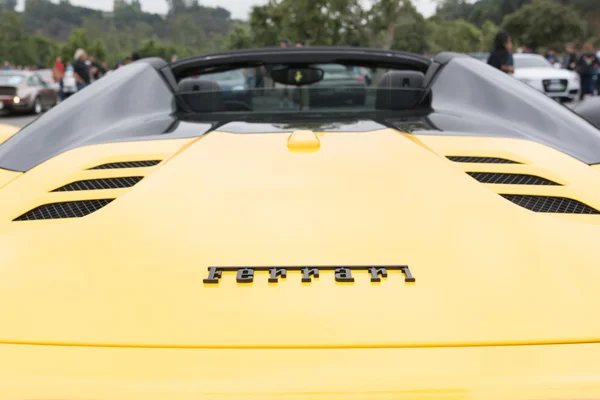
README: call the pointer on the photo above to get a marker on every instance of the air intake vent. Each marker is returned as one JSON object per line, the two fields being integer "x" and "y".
{"x": 546, "y": 204}
{"x": 68, "y": 209}
{"x": 99, "y": 184}
{"x": 128, "y": 164}
{"x": 481, "y": 160}
{"x": 511, "y": 179}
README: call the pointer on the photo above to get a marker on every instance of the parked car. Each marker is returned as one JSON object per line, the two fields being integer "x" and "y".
{"x": 340, "y": 85}
{"x": 48, "y": 77}
{"x": 25, "y": 91}
{"x": 480, "y": 56}
{"x": 539, "y": 73}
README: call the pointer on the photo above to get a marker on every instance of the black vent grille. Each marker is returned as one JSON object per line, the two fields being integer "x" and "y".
{"x": 548, "y": 204}
{"x": 481, "y": 160}
{"x": 511, "y": 179}
{"x": 128, "y": 164}
{"x": 68, "y": 209}
{"x": 100, "y": 184}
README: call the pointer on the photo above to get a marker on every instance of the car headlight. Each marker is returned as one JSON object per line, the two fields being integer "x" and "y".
{"x": 237, "y": 88}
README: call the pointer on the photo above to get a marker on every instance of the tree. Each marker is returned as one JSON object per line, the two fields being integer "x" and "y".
{"x": 316, "y": 22}
{"x": 544, "y": 23}
{"x": 384, "y": 18}
{"x": 77, "y": 40}
{"x": 238, "y": 38}
{"x": 98, "y": 50}
{"x": 488, "y": 33}
{"x": 411, "y": 32}
{"x": 458, "y": 35}
{"x": 11, "y": 37}
{"x": 8, "y": 5}
{"x": 454, "y": 9}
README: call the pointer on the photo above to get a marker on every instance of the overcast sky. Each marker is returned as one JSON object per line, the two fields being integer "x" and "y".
{"x": 238, "y": 8}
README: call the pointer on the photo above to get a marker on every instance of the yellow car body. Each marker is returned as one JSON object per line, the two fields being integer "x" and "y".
{"x": 114, "y": 305}
{"x": 7, "y": 131}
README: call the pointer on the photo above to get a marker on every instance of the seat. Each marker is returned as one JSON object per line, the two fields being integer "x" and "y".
{"x": 390, "y": 93}
{"x": 209, "y": 97}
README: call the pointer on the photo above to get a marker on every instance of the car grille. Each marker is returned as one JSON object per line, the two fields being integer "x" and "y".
{"x": 555, "y": 85}
{"x": 511, "y": 179}
{"x": 550, "y": 204}
{"x": 100, "y": 184}
{"x": 128, "y": 164}
{"x": 68, "y": 209}
{"x": 481, "y": 160}
{"x": 7, "y": 91}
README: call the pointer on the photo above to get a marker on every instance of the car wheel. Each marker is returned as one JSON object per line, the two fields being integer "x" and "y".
{"x": 37, "y": 106}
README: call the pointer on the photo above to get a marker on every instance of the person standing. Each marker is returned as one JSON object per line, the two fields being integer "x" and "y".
{"x": 94, "y": 68}
{"x": 586, "y": 68}
{"x": 81, "y": 69}
{"x": 570, "y": 58}
{"x": 501, "y": 56}
{"x": 68, "y": 83}
{"x": 58, "y": 70}
{"x": 284, "y": 43}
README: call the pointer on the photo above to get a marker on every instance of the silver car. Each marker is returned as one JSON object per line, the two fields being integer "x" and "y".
{"x": 25, "y": 91}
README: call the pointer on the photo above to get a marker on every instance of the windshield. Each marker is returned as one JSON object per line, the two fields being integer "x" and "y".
{"x": 11, "y": 79}
{"x": 285, "y": 88}
{"x": 45, "y": 73}
{"x": 225, "y": 76}
{"x": 531, "y": 62}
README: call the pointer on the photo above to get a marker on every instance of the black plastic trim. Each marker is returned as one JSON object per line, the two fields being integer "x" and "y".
{"x": 302, "y": 55}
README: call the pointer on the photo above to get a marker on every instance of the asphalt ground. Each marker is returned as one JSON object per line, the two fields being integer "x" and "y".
{"x": 19, "y": 120}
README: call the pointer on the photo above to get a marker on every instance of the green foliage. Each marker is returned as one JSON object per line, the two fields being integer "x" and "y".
{"x": 238, "y": 38}
{"x": 488, "y": 32}
{"x": 455, "y": 35}
{"x": 316, "y": 22}
{"x": 77, "y": 40}
{"x": 98, "y": 50}
{"x": 8, "y": 5}
{"x": 411, "y": 32}
{"x": 544, "y": 23}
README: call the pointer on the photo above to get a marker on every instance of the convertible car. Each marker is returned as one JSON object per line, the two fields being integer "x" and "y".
{"x": 438, "y": 241}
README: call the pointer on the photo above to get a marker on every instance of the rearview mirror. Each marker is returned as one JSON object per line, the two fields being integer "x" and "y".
{"x": 297, "y": 76}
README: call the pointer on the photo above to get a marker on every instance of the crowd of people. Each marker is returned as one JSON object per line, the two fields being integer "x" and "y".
{"x": 585, "y": 62}
{"x": 77, "y": 74}
{"x": 82, "y": 71}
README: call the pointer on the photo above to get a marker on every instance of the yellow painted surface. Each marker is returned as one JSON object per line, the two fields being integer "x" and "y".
{"x": 488, "y": 274}
{"x": 554, "y": 372}
{"x": 6, "y": 131}
{"x": 7, "y": 176}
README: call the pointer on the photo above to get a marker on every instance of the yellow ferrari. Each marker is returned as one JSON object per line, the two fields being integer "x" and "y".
{"x": 340, "y": 224}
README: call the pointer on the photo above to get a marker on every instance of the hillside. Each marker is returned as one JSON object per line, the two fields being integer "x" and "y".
{"x": 126, "y": 27}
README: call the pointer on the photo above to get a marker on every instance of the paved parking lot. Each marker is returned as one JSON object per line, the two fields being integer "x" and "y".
{"x": 19, "y": 120}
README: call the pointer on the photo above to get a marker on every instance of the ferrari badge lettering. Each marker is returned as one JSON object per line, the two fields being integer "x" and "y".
{"x": 245, "y": 274}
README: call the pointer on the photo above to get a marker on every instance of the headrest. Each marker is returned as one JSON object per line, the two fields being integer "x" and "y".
{"x": 208, "y": 99}
{"x": 390, "y": 95}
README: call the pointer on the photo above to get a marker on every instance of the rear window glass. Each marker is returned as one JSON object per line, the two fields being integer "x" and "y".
{"x": 323, "y": 87}
{"x": 11, "y": 79}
